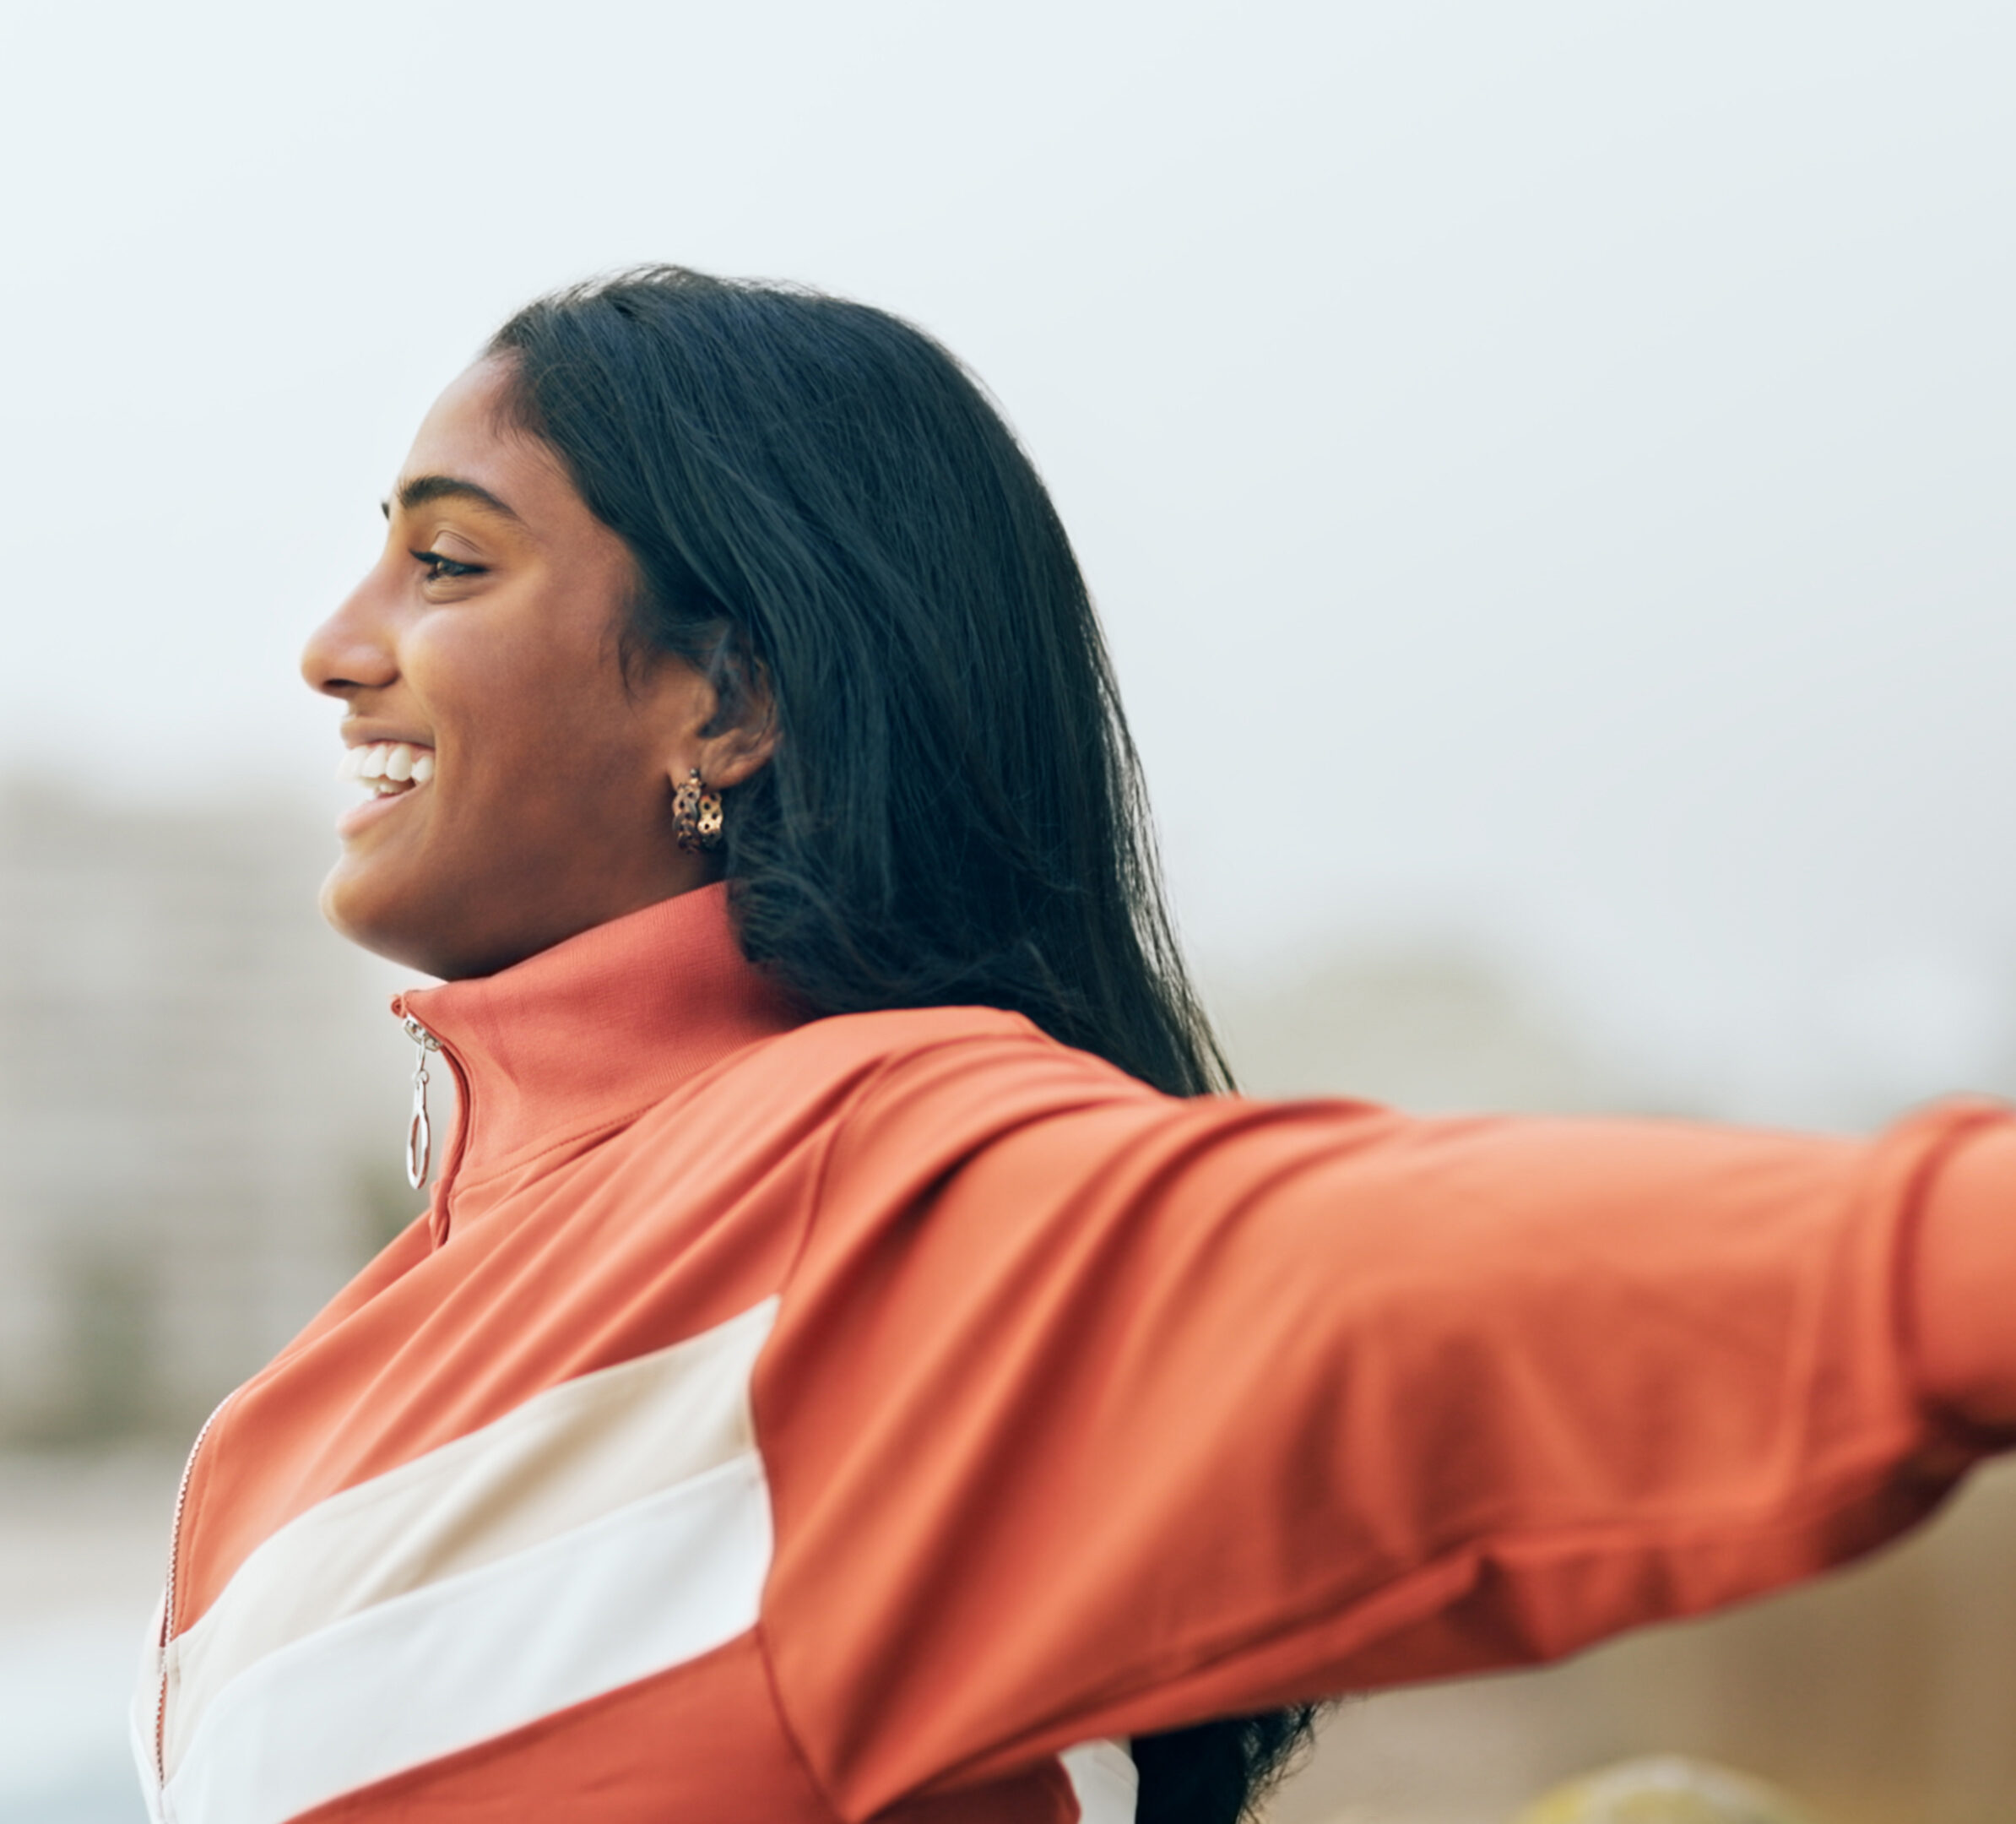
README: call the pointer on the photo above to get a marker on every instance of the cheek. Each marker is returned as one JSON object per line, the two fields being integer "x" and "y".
{"x": 486, "y": 696}
{"x": 545, "y": 720}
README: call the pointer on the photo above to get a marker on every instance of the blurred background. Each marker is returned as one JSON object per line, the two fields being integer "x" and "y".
{"x": 1545, "y": 473}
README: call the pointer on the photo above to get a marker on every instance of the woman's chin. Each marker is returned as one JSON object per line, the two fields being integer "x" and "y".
{"x": 361, "y": 903}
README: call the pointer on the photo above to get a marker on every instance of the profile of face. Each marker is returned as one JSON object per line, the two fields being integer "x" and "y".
{"x": 523, "y": 773}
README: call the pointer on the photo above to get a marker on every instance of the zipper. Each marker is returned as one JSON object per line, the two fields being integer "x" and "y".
{"x": 420, "y": 1148}
{"x": 174, "y": 1554}
{"x": 419, "y": 1133}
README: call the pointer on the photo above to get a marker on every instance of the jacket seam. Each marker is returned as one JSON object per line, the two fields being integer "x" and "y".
{"x": 578, "y": 1139}
{"x": 813, "y": 1198}
{"x": 850, "y": 1108}
{"x": 789, "y": 1729}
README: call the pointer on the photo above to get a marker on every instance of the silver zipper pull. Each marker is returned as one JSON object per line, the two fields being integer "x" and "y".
{"x": 419, "y": 1136}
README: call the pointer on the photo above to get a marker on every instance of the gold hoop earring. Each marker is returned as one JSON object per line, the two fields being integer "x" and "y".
{"x": 696, "y": 815}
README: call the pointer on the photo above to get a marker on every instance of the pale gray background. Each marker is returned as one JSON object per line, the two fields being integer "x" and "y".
{"x": 1544, "y": 468}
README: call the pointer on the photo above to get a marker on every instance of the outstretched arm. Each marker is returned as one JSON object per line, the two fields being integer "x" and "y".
{"x": 1106, "y": 1413}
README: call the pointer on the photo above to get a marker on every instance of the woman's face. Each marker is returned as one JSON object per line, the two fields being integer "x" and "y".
{"x": 480, "y": 658}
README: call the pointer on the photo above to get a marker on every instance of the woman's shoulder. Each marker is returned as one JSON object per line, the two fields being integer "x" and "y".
{"x": 949, "y": 1057}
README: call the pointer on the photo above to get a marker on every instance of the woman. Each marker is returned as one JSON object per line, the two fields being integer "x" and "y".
{"x": 848, "y": 1366}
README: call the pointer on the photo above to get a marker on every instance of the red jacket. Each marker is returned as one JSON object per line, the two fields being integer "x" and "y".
{"x": 794, "y": 1422}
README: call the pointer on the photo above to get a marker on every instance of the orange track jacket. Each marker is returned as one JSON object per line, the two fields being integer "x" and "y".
{"x": 886, "y": 1415}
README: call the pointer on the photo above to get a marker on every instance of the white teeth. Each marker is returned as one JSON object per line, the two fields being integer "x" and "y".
{"x": 386, "y": 767}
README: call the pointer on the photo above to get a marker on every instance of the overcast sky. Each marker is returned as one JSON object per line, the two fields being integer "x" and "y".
{"x": 1546, "y": 470}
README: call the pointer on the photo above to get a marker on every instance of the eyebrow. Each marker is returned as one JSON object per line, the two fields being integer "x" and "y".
{"x": 419, "y": 490}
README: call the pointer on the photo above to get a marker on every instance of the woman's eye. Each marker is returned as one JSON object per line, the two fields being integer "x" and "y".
{"x": 438, "y": 567}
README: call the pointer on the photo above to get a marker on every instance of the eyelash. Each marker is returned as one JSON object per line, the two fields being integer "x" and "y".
{"x": 440, "y": 569}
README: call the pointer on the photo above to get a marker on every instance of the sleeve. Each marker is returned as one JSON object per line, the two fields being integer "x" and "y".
{"x": 1092, "y": 1413}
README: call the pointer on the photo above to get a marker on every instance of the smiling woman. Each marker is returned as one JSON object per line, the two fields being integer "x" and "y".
{"x": 856, "y": 1362}
{"x": 484, "y": 650}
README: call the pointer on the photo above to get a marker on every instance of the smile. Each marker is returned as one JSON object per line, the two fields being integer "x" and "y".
{"x": 387, "y": 769}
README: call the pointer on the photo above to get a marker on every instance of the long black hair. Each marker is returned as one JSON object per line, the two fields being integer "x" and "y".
{"x": 829, "y": 519}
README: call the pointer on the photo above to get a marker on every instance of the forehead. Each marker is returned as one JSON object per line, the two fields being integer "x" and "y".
{"x": 469, "y": 436}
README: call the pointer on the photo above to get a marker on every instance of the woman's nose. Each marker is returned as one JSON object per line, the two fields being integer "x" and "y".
{"x": 351, "y": 651}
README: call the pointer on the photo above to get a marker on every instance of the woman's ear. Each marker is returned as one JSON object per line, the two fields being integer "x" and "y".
{"x": 737, "y": 739}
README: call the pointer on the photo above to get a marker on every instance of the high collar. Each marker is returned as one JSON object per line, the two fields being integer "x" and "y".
{"x": 583, "y": 1038}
